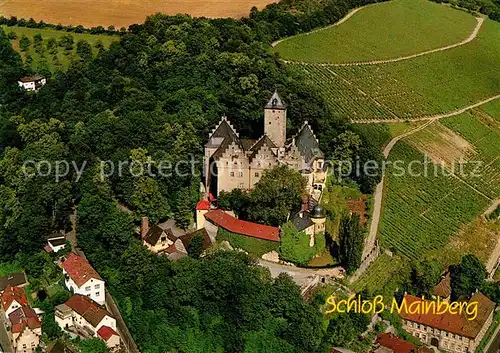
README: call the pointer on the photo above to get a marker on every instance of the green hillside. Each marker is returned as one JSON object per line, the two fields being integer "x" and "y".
{"x": 60, "y": 57}
{"x": 382, "y": 31}
{"x": 427, "y": 85}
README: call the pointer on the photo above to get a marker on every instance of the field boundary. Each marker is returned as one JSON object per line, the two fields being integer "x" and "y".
{"x": 429, "y": 117}
{"x": 472, "y": 36}
{"x": 339, "y": 22}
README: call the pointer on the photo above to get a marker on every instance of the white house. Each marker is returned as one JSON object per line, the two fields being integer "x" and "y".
{"x": 110, "y": 336}
{"x": 81, "y": 278}
{"x": 56, "y": 244}
{"x": 83, "y": 316}
{"x": 13, "y": 298}
{"x": 32, "y": 83}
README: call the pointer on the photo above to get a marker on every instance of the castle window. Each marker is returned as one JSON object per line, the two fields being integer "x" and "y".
{"x": 240, "y": 174}
{"x": 256, "y": 175}
{"x": 269, "y": 123}
{"x": 242, "y": 186}
{"x": 231, "y": 174}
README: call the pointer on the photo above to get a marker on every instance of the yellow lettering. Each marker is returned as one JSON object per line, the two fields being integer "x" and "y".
{"x": 453, "y": 308}
{"x": 370, "y": 307}
{"x": 440, "y": 306}
{"x": 378, "y": 301}
{"x": 331, "y": 301}
{"x": 342, "y": 302}
{"x": 471, "y": 310}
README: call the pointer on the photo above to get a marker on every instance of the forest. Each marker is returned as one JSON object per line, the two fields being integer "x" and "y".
{"x": 154, "y": 95}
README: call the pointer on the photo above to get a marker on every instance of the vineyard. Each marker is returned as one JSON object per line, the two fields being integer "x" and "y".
{"x": 382, "y": 276}
{"x": 409, "y": 27}
{"x": 421, "y": 213}
{"x": 427, "y": 85}
{"x": 481, "y": 167}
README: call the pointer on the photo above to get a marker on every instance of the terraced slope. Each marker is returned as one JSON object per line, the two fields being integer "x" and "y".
{"x": 427, "y": 85}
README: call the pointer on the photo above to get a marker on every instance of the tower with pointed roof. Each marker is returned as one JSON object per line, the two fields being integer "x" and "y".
{"x": 275, "y": 120}
{"x": 232, "y": 162}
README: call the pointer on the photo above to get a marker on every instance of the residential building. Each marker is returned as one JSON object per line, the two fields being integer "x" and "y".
{"x": 389, "y": 343}
{"x": 216, "y": 219}
{"x": 81, "y": 316}
{"x": 163, "y": 237}
{"x": 231, "y": 162}
{"x": 32, "y": 83}
{"x": 169, "y": 240}
{"x": 81, "y": 278}
{"x": 55, "y": 244}
{"x": 25, "y": 330}
{"x": 13, "y": 298}
{"x": 110, "y": 336}
{"x": 450, "y": 332}
{"x": 13, "y": 280}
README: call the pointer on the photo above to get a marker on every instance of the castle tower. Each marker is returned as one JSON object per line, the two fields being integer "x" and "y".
{"x": 318, "y": 217}
{"x": 275, "y": 120}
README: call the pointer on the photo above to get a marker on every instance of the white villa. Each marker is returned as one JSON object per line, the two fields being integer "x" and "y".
{"x": 81, "y": 278}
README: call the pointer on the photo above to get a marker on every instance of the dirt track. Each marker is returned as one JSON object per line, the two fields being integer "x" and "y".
{"x": 91, "y": 13}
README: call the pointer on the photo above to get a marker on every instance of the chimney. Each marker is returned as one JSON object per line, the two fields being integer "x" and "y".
{"x": 144, "y": 227}
{"x": 305, "y": 204}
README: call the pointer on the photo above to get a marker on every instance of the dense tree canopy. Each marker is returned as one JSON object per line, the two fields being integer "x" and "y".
{"x": 467, "y": 276}
{"x": 151, "y": 98}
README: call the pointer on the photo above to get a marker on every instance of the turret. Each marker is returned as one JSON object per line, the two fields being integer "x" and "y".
{"x": 275, "y": 120}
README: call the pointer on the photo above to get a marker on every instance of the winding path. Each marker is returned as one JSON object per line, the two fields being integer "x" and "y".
{"x": 379, "y": 191}
{"x": 429, "y": 117}
{"x": 342, "y": 20}
{"x": 472, "y": 36}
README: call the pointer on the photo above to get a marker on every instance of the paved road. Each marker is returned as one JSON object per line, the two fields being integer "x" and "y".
{"x": 494, "y": 346}
{"x": 5, "y": 345}
{"x": 301, "y": 276}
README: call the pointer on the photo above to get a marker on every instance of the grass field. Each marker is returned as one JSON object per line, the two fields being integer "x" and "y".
{"x": 63, "y": 57}
{"x": 7, "y": 268}
{"x": 427, "y": 85}
{"x": 92, "y": 13}
{"x": 409, "y": 27}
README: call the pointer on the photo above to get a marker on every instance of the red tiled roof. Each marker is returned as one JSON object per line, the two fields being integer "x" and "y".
{"x": 203, "y": 205}
{"x": 22, "y": 318}
{"x": 106, "y": 333}
{"x": 79, "y": 269}
{"x": 394, "y": 343}
{"x": 13, "y": 293}
{"x": 87, "y": 308}
{"x": 235, "y": 225}
{"x": 443, "y": 288}
{"x": 454, "y": 323}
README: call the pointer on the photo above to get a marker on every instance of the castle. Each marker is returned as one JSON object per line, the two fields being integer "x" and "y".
{"x": 231, "y": 162}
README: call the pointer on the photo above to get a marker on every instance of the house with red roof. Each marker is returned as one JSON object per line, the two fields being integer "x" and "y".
{"x": 216, "y": 219}
{"x": 110, "y": 336}
{"x": 81, "y": 278}
{"x": 450, "y": 332}
{"x": 387, "y": 342}
{"x": 81, "y": 316}
{"x": 12, "y": 299}
{"x": 26, "y": 330}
